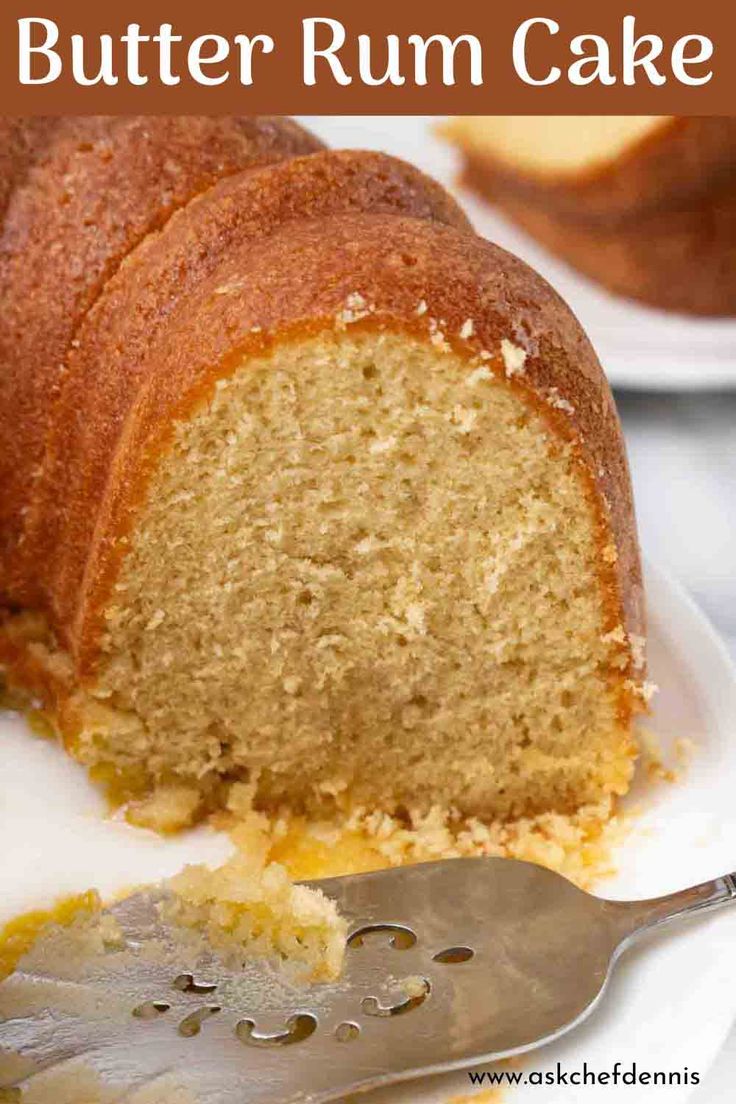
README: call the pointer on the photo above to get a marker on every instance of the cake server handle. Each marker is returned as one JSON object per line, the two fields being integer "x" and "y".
{"x": 636, "y": 917}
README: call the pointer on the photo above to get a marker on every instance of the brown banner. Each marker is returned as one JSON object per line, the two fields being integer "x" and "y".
{"x": 382, "y": 57}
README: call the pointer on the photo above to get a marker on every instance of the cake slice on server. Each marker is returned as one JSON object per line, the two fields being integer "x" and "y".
{"x": 642, "y": 204}
{"x": 333, "y": 499}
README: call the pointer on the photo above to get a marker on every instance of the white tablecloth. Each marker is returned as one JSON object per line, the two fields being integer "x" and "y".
{"x": 682, "y": 451}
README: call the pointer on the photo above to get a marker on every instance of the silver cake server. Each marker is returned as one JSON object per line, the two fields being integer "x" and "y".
{"x": 449, "y": 964}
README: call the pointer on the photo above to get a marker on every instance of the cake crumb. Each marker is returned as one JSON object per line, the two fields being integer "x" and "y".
{"x": 555, "y": 399}
{"x": 356, "y": 308}
{"x": 385, "y": 444}
{"x": 463, "y": 419}
{"x": 354, "y": 840}
{"x": 168, "y": 809}
{"x": 467, "y": 329}
{"x": 648, "y": 689}
{"x": 638, "y": 646}
{"x": 615, "y": 636}
{"x": 229, "y": 289}
{"x": 437, "y": 336}
{"x": 644, "y": 690}
{"x": 482, "y": 372}
{"x": 414, "y": 986}
{"x": 653, "y": 757}
{"x": 514, "y": 357}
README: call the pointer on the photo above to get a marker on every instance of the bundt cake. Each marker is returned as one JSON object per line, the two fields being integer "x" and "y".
{"x": 642, "y": 204}
{"x": 306, "y": 484}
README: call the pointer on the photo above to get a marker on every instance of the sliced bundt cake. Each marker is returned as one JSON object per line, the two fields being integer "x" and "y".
{"x": 643, "y": 204}
{"x": 334, "y": 499}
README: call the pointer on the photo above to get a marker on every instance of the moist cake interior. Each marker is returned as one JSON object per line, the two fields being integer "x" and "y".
{"x": 366, "y": 570}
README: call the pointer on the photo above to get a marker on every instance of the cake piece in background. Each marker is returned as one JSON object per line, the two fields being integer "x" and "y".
{"x": 645, "y": 205}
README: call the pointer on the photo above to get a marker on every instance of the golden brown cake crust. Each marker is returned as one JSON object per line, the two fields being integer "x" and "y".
{"x": 682, "y": 160}
{"x": 413, "y": 276}
{"x": 79, "y": 195}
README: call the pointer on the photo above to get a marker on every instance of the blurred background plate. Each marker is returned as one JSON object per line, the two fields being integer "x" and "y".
{"x": 640, "y": 348}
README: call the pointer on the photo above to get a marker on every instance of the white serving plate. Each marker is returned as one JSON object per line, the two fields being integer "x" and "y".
{"x": 639, "y": 348}
{"x": 670, "y": 1004}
